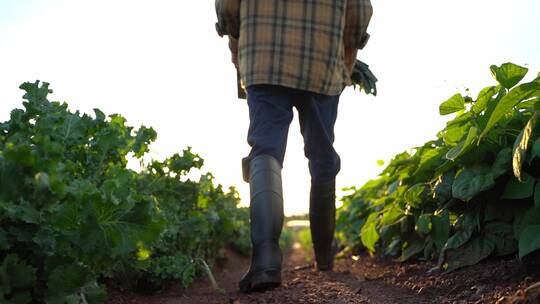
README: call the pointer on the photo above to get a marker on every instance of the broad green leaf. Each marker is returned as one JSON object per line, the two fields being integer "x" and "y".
{"x": 381, "y": 201}
{"x": 447, "y": 166}
{"x": 391, "y": 215}
{"x": 464, "y": 226}
{"x": 442, "y": 191}
{"x": 393, "y": 187}
{"x": 471, "y": 253}
{"x": 483, "y": 98}
{"x": 502, "y": 235}
{"x": 525, "y": 218}
{"x": 399, "y": 160}
{"x": 454, "y": 133}
{"x": 462, "y": 118}
{"x": 411, "y": 247}
{"x": 369, "y": 234}
{"x": 516, "y": 189}
{"x": 453, "y": 104}
{"x": 463, "y": 187}
{"x": 470, "y": 182}
{"x": 464, "y": 145}
{"x": 429, "y": 158}
{"x": 508, "y": 74}
{"x": 467, "y": 222}
{"x": 423, "y": 225}
{"x": 406, "y": 224}
{"x": 398, "y": 195}
{"x": 393, "y": 248}
{"x": 389, "y": 232}
{"x": 441, "y": 229}
{"x": 508, "y": 101}
{"x": 413, "y": 196}
{"x": 521, "y": 145}
{"x": 530, "y": 104}
{"x": 503, "y": 162}
{"x": 458, "y": 239}
{"x": 482, "y": 120}
{"x": 529, "y": 240}
{"x": 124, "y": 227}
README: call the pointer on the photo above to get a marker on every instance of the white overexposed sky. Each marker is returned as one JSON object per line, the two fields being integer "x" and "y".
{"x": 161, "y": 64}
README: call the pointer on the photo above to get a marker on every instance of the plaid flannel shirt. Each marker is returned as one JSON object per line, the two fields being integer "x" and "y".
{"x": 295, "y": 43}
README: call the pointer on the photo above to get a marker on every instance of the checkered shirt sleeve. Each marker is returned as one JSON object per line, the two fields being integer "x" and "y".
{"x": 358, "y": 15}
{"x": 228, "y": 15}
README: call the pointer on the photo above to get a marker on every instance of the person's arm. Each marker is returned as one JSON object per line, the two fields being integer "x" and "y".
{"x": 233, "y": 46}
{"x": 228, "y": 15}
{"x": 355, "y": 36}
{"x": 350, "y": 58}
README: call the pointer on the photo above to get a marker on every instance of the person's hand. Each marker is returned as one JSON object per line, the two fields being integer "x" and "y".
{"x": 233, "y": 46}
{"x": 350, "y": 58}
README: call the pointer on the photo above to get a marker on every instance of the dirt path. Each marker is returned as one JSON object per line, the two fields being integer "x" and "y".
{"x": 359, "y": 280}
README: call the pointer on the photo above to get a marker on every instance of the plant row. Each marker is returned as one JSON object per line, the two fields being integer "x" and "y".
{"x": 471, "y": 193}
{"x": 72, "y": 215}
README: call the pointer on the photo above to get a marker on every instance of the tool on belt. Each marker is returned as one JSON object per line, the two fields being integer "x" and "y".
{"x": 241, "y": 90}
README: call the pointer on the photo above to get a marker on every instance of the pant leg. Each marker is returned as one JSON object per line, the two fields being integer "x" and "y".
{"x": 270, "y": 115}
{"x": 317, "y": 115}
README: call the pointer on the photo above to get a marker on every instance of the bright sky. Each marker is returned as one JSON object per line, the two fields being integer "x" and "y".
{"x": 160, "y": 63}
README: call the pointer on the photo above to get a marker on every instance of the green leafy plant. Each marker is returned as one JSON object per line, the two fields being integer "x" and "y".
{"x": 72, "y": 213}
{"x": 363, "y": 78}
{"x": 471, "y": 193}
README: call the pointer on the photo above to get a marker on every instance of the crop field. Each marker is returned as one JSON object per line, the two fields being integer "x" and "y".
{"x": 456, "y": 220}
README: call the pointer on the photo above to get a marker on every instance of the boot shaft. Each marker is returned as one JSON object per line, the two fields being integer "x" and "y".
{"x": 322, "y": 204}
{"x": 322, "y": 218}
{"x": 266, "y": 199}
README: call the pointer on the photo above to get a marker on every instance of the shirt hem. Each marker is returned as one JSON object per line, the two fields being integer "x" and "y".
{"x": 330, "y": 92}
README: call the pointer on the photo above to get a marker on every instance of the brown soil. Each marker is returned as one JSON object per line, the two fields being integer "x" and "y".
{"x": 360, "y": 280}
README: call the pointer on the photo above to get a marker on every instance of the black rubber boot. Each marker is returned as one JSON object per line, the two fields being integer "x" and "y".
{"x": 266, "y": 213}
{"x": 322, "y": 219}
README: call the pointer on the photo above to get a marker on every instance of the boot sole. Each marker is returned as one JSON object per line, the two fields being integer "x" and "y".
{"x": 263, "y": 280}
{"x": 325, "y": 268}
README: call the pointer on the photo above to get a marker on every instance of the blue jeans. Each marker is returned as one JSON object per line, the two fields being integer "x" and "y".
{"x": 270, "y": 114}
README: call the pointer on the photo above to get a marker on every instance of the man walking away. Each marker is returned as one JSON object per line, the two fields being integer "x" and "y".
{"x": 291, "y": 53}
